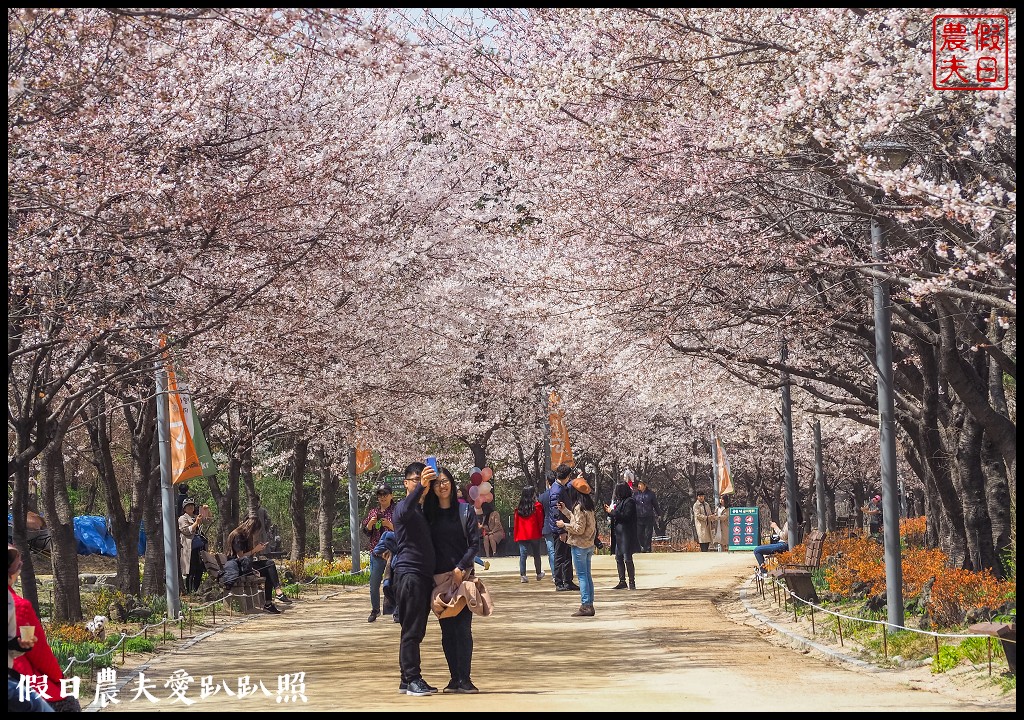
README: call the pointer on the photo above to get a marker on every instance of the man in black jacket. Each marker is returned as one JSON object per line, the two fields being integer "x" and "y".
{"x": 563, "y": 551}
{"x": 412, "y": 572}
{"x": 646, "y": 511}
{"x": 548, "y": 529}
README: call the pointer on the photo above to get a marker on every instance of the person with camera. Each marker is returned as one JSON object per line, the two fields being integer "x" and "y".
{"x": 193, "y": 542}
{"x": 580, "y": 525}
{"x": 375, "y": 524}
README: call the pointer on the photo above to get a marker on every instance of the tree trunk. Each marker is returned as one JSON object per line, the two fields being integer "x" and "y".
{"x": 67, "y": 599}
{"x": 971, "y": 485}
{"x": 297, "y": 503}
{"x": 248, "y": 480}
{"x": 328, "y": 506}
{"x": 154, "y": 581}
{"x": 19, "y": 508}
{"x": 479, "y": 451}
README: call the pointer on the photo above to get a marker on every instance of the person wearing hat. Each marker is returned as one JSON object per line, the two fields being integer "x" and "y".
{"x": 576, "y": 504}
{"x": 377, "y": 522}
{"x": 193, "y": 542}
{"x": 704, "y": 521}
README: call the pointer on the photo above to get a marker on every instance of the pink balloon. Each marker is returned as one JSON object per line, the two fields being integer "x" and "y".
{"x": 479, "y": 502}
{"x": 476, "y": 478}
{"x": 485, "y": 487}
{"x": 474, "y": 492}
{"x": 487, "y": 473}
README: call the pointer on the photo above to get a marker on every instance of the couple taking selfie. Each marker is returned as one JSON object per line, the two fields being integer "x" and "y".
{"x": 437, "y": 540}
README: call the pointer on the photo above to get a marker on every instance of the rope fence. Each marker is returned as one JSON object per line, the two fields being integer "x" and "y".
{"x": 188, "y": 615}
{"x": 784, "y": 596}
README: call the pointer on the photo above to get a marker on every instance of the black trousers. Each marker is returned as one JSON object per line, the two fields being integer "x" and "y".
{"x": 563, "y": 563}
{"x": 645, "y": 532}
{"x": 457, "y": 643}
{"x": 268, "y": 570}
{"x": 195, "y": 572}
{"x": 624, "y": 563}
{"x": 412, "y": 592}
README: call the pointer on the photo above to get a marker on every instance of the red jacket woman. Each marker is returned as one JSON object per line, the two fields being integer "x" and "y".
{"x": 527, "y": 523}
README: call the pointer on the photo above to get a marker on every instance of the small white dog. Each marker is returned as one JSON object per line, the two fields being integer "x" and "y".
{"x": 98, "y": 627}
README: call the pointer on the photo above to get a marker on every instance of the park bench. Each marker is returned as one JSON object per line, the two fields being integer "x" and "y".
{"x": 798, "y": 577}
{"x": 1006, "y": 633}
{"x": 661, "y": 543}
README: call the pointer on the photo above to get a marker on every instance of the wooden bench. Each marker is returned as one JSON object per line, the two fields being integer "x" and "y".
{"x": 798, "y": 577}
{"x": 1006, "y": 633}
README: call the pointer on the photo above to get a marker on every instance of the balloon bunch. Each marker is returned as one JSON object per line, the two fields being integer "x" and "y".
{"x": 480, "y": 488}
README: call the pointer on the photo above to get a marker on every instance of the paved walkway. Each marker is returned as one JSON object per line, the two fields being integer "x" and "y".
{"x": 683, "y": 641}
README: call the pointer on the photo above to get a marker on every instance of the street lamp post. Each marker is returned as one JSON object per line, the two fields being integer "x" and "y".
{"x": 892, "y": 155}
{"x": 792, "y": 486}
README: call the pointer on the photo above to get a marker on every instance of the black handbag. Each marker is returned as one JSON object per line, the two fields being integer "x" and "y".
{"x": 199, "y": 541}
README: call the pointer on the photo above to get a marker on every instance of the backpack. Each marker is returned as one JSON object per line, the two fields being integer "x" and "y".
{"x": 234, "y": 569}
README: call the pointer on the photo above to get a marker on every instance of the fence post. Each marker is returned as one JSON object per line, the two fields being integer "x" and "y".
{"x": 989, "y": 638}
{"x": 812, "y": 621}
{"x": 839, "y": 626}
{"x": 163, "y": 632}
{"x": 214, "y": 608}
{"x": 885, "y": 640}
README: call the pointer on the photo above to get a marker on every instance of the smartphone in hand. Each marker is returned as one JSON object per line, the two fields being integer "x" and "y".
{"x": 432, "y": 462}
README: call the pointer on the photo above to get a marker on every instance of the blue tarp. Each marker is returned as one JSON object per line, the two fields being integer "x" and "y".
{"x": 94, "y": 537}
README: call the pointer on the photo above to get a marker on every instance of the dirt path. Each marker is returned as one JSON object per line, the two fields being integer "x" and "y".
{"x": 682, "y": 642}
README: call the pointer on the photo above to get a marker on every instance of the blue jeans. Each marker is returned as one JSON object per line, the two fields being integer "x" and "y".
{"x": 526, "y": 548}
{"x": 376, "y": 577}
{"x": 549, "y": 540}
{"x": 32, "y": 702}
{"x": 581, "y": 558}
{"x": 761, "y": 550}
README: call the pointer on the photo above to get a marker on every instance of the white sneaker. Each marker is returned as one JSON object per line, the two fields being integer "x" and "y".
{"x": 522, "y": 579}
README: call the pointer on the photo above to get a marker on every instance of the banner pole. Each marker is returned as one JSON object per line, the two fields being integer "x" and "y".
{"x": 170, "y": 526}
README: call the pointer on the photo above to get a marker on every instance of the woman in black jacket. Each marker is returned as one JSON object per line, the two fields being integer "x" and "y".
{"x": 456, "y": 538}
{"x": 622, "y": 512}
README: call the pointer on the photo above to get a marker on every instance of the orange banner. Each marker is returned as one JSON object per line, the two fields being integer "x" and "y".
{"x": 364, "y": 458}
{"x": 561, "y": 450}
{"x": 184, "y": 461}
{"x": 724, "y": 473}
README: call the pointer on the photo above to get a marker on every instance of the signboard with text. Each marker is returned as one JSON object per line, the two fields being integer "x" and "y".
{"x": 743, "y": 528}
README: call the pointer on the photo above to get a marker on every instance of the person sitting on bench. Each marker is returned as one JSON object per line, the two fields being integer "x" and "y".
{"x": 242, "y": 544}
{"x": 779, "y": 544}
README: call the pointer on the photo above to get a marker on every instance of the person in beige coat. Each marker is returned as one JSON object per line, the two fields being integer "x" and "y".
{"x": 580, "y": 527}
{"x": 192, "y": 542}
{"x": 704, "y": 519}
